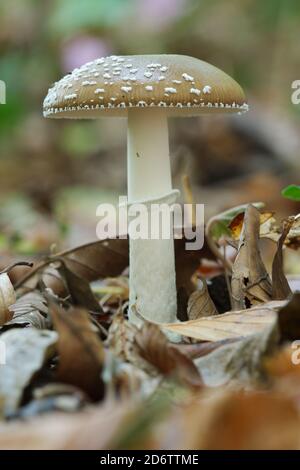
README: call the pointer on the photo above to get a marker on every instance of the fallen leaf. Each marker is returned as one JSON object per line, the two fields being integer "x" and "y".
{"x": 79, "y": 289}
{"x": 196, "y": 350}
{"x": 97, "y": 260}
{"x": 232, "y": 324}
{"x": 219, "y": 224}
{"x": 26, "y": 351}
{"x": 280, "y": 286}
{"x": 200, "y": 303}
{"x": 7, "y": 298}
{"x": 29, "y": 310}
{"x": 250, "y": 282}
{"x": 81, "y": 354}
{"x": 293, "y": 237}
{"x": 266, "y": 220}
{"x": 241, "y": 361}
{"x": 155, "y": 348}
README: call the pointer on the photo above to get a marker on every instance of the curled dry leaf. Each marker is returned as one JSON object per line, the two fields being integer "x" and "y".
{"x": 81, "y": 354}
{"x": 267, "y": 223}
{"x": 29, "y": 310}
{"x": 293, "y": 237}
{"x": 7, "y": 298}
{"x": 273, "y": 232}
{"x": 280, "y": 286}
{"x": 217, "y": 228}
{"x": 26, "y": 351}
{"x": 155, "y": 348}
{"x": 79, "y": 289}
{"x": 219, "y": 225}
{"x": 200, "y": 303}
{"x": 250, "y": 282}
{"x": 233, "y": 324}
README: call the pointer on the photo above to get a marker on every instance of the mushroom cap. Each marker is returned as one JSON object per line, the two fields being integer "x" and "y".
{"x": 109, "y": 86}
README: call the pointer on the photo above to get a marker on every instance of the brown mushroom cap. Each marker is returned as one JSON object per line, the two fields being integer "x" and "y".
{"x": 110, "y": 85}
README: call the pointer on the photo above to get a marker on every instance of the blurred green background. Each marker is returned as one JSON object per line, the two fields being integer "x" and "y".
{"x": 55, "y": 173}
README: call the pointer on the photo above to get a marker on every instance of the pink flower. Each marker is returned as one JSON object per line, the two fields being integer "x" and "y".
{"x": 82, "y": 49}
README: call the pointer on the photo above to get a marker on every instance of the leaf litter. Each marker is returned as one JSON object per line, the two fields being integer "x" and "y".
{"x": 74, "y": 362}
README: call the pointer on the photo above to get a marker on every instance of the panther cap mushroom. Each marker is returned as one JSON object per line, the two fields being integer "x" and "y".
{"x": 147, "y": 89}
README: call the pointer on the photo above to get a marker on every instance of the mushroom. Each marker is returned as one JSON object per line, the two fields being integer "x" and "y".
{"x": 147, "y": 89}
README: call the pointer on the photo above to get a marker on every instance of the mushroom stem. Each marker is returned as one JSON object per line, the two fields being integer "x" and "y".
{"x": 152, "y": 261}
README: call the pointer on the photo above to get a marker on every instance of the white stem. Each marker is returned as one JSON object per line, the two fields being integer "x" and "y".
{"x": 152, "y": 262}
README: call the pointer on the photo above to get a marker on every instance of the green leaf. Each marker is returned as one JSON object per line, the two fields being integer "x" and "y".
{"x": 291, "y": 192}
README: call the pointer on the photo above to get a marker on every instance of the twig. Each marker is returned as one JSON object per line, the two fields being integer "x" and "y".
{"x": 189, "y": 197}
{"x": 227, "y": 279}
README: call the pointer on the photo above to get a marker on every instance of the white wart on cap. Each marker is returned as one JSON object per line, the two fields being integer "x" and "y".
{"x": 109, "y": 86}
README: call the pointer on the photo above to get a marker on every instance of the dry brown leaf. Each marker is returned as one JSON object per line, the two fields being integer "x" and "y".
{"x": 7, "y": 298}
{"x": 29, "y": 310}
{"x": 155, "y": 348}
{"x": 234, "y": 324}
{"x": 197, "y": 350}
{"x": 266, "y": 220}
{"x": 97, "y": 260}
{"x": 293, "y": 238}
{"x": 79, "y": 289}
{"x": 280, "y": 286}
{"x": 250, "y": 281}
{"x": 273, "y": 232}
{"x": 200, "y": 304}
{"x": 81, "y": 354}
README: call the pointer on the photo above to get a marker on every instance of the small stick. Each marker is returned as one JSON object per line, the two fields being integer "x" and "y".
{"x": 189, "y": 197}
{"x": 227, "y": 279}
